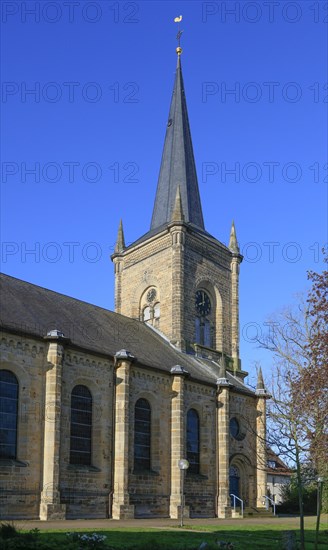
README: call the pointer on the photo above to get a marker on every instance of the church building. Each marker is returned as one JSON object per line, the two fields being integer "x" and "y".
{"x": 98, "y": 407}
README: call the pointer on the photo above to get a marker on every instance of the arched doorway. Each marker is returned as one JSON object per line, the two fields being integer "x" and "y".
{"x": 234, "y": 482}
{"x": 241, "y": 477}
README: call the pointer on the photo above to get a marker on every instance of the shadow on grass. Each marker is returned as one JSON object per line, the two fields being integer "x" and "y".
{"x": 156, "y": 539}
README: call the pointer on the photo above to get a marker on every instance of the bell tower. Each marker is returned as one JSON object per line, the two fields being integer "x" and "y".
{"x": 177, "y": 277}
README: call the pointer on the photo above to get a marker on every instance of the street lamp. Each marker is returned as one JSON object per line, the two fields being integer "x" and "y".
{"x": 183, "y": 465}
{"x": 320, "y": 481}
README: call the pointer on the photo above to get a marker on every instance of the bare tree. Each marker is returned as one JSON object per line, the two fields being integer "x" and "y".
{"x": 288, "y": 421}
{"x": 298, "y": 412}
{"x": 313, "y": 385}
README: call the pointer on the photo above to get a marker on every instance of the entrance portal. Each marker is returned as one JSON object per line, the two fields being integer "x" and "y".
{"x": 234, "y": 483}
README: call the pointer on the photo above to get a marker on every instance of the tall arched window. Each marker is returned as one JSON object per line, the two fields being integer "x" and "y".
{"x": 193, "y": 441}
{"x": 81, "y": 425}
{"x": 142, "y": 429}
{"x": 157, "y": 314}
{"x": 204, "y": 313}
{"x": 147, "y": 314}
{"x": 8, "y": 414}
{"x": 150, "y": 306}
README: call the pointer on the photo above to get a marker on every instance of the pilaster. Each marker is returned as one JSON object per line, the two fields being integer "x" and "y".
{"x": 261, "y": 451}
{"x": 118, "y": 268}
{"x": 223, "y": 398}
{"x": 178, "y": 450}
{"x": 178, "y": 240}
{"x": 235, "y": 310}
{"x": 122, "y": 509}
{"x": 50, "y": 505}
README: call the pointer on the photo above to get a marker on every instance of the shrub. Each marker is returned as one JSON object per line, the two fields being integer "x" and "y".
{"x": 290, "y": 503}
{"x": 8, "y": 531}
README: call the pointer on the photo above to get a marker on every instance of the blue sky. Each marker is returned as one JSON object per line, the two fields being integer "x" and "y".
{"x": 93, "y": 129}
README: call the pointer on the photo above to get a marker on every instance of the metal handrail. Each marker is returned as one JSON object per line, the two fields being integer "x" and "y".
{"x": 234, "y": 503}
{"x": 267, "y": 500}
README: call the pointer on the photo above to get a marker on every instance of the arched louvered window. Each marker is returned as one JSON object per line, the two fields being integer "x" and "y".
{"x": 8, "y": 414}
{"x": 81, "y": 425}
{"x": 203, "y": 332}
{"x": 142, "y": 429}
{"x": 146, "y": 314}
{"x": 193, "y": 441}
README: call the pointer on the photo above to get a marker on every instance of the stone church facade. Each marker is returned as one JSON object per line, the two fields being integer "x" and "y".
{"x": 98, "y": 407}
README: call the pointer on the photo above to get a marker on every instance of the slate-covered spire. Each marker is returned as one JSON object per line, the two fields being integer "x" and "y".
{"x": 120, "y": 242}
{"x": 178, "y": 164}
{"x": 233, "y": 243}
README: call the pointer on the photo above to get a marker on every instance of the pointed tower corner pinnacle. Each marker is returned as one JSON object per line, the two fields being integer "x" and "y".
{"x": 233, "y": 243}
{"x": 177, "y": 214}
{"x": 260, "y": 387}
{"x": 120, "y": 242}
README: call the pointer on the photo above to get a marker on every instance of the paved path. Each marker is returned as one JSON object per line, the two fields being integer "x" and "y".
{"x": 70, "y": 525}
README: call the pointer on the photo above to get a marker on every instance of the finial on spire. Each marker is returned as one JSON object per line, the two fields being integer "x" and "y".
{"x": 178, "y": 20}
{"x": 120, "y": 242}
{"x": 177, "y": 214}
{"x": 233, "y": 243}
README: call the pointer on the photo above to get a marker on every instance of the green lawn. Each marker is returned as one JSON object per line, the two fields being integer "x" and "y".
{"x": 243, "y": 537}
{"x": 249, "y": 538}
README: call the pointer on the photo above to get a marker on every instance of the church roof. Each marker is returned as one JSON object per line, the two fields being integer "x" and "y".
{"x": 27, "y": 309}
{"x": 178, "y": 164}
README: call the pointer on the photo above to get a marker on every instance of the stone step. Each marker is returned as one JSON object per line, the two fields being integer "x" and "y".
{"x": 258, "y": 512}
{"x": 252, "y": 512}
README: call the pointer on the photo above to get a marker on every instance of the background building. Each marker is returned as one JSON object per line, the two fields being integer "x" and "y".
{"x": 278, "y": 475}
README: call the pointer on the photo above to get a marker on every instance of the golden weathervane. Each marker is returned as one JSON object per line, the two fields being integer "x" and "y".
{"x": 178, "y": 20}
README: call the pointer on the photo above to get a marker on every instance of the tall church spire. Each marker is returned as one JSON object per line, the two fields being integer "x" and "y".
{"x": 178, "y": 164}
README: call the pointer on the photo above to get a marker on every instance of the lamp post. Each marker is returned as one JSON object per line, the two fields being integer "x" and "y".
{"x": 320, "y": 481}
{"x": 183, "y": 465}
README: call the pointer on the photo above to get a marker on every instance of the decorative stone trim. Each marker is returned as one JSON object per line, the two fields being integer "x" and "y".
{"x": 83, "y": 468}
{"x": 203, "y": 390}
{"x": 177, "y": 370}
{"x": 143, "y": 473}
{"x": 12, "y": 462}
{"x": 124, "y": 355}
{"x": 147, "y": 377}
{"x": 75, "y": 359}
{"x": 23, "y": 346}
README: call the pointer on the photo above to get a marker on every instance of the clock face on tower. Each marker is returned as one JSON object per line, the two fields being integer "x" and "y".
{"x": 202, "y": 303}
